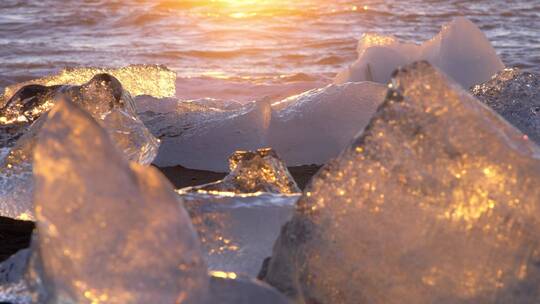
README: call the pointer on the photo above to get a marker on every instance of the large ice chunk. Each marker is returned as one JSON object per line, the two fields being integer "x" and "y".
{"x": 108, "y": 230}
{"x": 305, "y": 129}
{"x": 103, "y": 96}
{"x": 254, "y": 171}
{"x": 515, "y": 95}
{"x": 152, "y": 80}
{"x": 460, "y": 50}
{"x": 435, "y": 202}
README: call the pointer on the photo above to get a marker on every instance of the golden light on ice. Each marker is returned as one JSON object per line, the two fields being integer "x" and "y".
{"x": 223, "y": 274}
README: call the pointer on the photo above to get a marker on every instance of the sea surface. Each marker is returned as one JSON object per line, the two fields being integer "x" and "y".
{"x": 240, "y": 49}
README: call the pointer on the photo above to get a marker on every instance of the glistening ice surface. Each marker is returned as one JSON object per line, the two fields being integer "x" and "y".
{"x": 103, "y": 96}
{"x": 108, "y": 230}
{"x": 435, "y": 202}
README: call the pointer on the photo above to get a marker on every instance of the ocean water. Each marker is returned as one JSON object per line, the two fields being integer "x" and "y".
{"x": 240, "y": 49}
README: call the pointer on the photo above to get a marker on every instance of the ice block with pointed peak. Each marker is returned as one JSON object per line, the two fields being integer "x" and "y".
{"x": 435, "y": 202}
{"x": 108, "y": 230}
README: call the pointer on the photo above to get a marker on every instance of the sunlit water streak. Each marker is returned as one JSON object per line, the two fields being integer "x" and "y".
{"x": 218, "y": 47}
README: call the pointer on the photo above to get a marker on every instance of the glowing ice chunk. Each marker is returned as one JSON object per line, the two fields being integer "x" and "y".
{"x": 108, "y": 230}
{"x": 258, "y": 171}
{"x": 436, "y": 201}
{"x": 460, "y": 50}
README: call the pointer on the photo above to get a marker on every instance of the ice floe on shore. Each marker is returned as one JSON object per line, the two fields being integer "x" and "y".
{"x": 460, "y": 50}
{"x": 436, "y": 201}
{"x": 309, "y": 128}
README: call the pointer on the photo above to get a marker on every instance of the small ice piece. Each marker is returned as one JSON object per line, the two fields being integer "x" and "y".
{"x": 435, "y": 202}
{"x": 460, "y": 50}
{"x": 515, "y": 95}
{"x": 309, "y": 128}
{"x": 237, "y": 231}
{"x": 317, "y": 125}
{"x": 209, "y": 141}
{"x": 108, "y": 230}
{"x": 254, "y": 171}
{"x": 154, "y": 80}
{"x": 104, "y": 97}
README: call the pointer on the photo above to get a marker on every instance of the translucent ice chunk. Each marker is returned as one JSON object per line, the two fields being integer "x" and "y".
{"x": 515, "y": 95}
{"x": 108, "y": 230}
{"x": 254, "y": 171}
{"x": 152, "y": 80}
{"x": 460, "y": 50}
{"x": 305, "y": 129}
{"x": 105, "y": 99}
{"x": 237, "y": 231}
{"x": 435, "y": 202}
